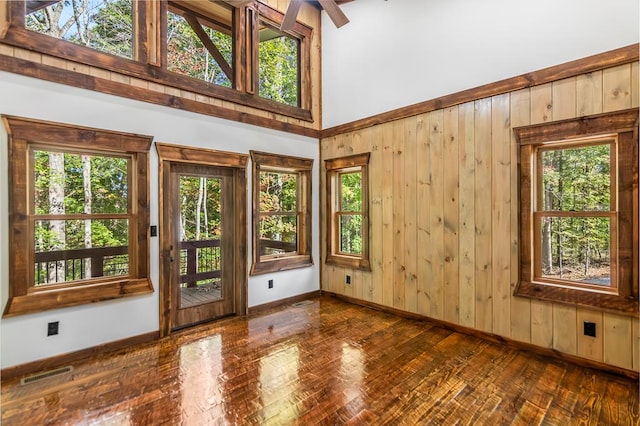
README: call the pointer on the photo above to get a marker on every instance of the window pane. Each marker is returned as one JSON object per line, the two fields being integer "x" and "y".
{"x": 351, "y": 192}
{"x": 188, "y": 55}
{"x": 68, "y": 250}
{"x": 278, "y": 58}
{"x": 278, "y": 234}
{"x": 351, "y": 234}
{"x": 104, "y": 25}
{"x": 577, "y": 179}
{"x": 278, "y": 192}
{"x": 200, "y": 208}
{"x": 576, "y": 249}
{"x": 67, "y": 183}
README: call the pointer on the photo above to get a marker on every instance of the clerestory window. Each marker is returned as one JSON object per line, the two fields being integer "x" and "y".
{"x": 278, "y": 65}
{"x": 200, "y": 41}
{"x": 578, "y": 218}
{"x": 212, "y": 48}
{"x": 78, "y": 203}
{"x": 104, "y": 25}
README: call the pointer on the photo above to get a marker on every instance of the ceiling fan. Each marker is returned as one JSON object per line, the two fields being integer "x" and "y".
{"x": 330, "y": 6}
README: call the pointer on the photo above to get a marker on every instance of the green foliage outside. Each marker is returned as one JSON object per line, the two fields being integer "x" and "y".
{"x": 60, "y": 188}
{"x": 278, "y": 196}
{"x": 187, "y": 55}
{"x": 577, "y": 180}
{"x": 351, "y": 202}
{"x": 278, "y": 69}
{"x": 200, "y": 208}
{"x": 201, "y": 220}
{"x": 104, "y": 25}
{"x": 107, "y": 26}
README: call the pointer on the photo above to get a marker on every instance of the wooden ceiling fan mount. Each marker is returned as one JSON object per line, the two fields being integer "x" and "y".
{"x": 330, "y": 6}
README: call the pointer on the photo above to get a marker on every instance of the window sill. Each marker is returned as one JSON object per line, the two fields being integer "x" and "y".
{"x": 73, "y": 296}
{"x": 349, "y": 262}
{"x": 281, "y": 264}
{"x": 588, "y": 299}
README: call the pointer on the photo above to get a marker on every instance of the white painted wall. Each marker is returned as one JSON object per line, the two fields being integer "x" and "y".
{"x": 23, "y": 338}
{"x": 396, "y": 53}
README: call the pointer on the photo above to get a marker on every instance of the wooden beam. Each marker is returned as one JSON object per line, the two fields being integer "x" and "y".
{"x": 335, "y": 13}
{"x": 33, "y": 5}
{"x": 70, "y": 78}
{"x": 204, "y": 38}
{"x": 290, "y": 17}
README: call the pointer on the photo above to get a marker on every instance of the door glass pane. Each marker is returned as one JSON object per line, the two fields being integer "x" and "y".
{"x": 577, "y": 179}
{"x": 576, "y": 249}
{"x": 200, "y": 240}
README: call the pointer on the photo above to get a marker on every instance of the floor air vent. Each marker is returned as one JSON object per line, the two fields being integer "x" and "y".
{"x": 303, "y": 303}
{"x": 45, "y": 375}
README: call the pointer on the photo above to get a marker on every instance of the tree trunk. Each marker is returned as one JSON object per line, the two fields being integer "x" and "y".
{"x": 547, "y": 258}
{"x": 559, "y": 242}
{"x": 56, "y": 206}
{"x": 199, "y": 207}
{"x": 206, "y": 215}
{"x": 86, "y": 183}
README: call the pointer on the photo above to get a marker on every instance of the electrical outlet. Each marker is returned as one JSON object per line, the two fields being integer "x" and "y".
{"x": 348, "y": 279}
{"x": 52, "y": 328}
{"x": 590, "y": 329}
{"x": 270, "y": 283}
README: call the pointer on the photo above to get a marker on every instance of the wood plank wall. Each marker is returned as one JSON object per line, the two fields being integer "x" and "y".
{"x": 444, "y": 216}
{"x": 308, "y": 15}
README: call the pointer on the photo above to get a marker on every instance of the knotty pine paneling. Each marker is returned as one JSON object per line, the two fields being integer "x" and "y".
{"x": 444, "y": 216}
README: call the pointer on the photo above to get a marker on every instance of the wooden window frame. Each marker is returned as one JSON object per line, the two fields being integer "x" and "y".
{"x": 23, "y": 296}
{"x": 618, "y": 128}
{"x": 149, "y": 58}
{"x": 334, "y": 168}
{"x": 262, "y": 161}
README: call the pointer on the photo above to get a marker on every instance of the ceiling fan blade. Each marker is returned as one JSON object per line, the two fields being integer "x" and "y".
{"x": 239, "y": 3}
{"x": 334, "y": 12}
{"x": 290, "y": 16}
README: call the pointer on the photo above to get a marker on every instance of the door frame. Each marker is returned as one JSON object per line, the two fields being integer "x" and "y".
{"x": 173, "y": 154}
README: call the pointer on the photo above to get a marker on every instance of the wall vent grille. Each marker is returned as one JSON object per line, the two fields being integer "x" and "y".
{"x": 45, "y": 375}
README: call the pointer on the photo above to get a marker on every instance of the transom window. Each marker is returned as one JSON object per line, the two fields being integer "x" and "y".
{"x": 282, "y": 212}
{"x": 78, "y": 203}
{"x": 578, "y": 218}
{"x": 347, "y": 207}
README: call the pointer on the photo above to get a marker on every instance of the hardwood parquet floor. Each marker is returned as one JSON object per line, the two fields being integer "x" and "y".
{"x": 326, "y": 362}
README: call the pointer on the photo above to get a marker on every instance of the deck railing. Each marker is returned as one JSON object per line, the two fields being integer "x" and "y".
{"x": 60, "y": 266}
{"x": 199, "y": 260}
